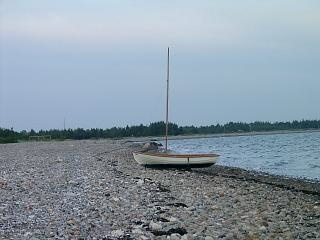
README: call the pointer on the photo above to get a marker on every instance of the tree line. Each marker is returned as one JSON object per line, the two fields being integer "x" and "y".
{"x": 155, "y": 129}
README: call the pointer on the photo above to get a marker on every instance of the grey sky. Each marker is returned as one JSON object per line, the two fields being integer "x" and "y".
{"x": 103, "y": 63}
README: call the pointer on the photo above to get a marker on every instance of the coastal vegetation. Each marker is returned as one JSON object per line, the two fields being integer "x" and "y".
{"x": 156, "y": 129}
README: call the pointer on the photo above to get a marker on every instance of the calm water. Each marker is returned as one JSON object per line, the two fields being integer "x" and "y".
{"x": 295, "y": 154}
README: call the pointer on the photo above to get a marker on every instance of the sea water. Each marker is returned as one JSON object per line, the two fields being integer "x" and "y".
{"x": 292, "y": 154}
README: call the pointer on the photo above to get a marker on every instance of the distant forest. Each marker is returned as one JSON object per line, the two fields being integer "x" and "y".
{"x": 155, "y": 129}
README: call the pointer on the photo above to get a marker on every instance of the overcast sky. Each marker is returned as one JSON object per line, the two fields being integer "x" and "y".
{"x": 103, "y": 63}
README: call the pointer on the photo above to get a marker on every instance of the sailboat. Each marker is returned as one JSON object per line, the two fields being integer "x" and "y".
{"x": 172, "y": 160}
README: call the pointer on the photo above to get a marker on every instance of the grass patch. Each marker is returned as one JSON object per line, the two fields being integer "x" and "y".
{"x": 8, "y": 140}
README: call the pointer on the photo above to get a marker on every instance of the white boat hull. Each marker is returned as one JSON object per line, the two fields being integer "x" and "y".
{"x": 175, "y": 160}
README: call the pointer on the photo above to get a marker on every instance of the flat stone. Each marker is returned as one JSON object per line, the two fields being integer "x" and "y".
{"x": 155, "y": 226}
{"x": 117, "y": 233}
{"x": 137, "y": 231}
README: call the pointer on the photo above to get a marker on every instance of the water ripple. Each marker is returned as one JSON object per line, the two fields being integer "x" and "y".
{"x": 294, "y": 154}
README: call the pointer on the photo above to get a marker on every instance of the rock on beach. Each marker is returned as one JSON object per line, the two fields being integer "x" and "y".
{"x": 94, "y": 189}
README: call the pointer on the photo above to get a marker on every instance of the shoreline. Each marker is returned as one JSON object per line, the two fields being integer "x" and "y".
{"x": 93, "y": 189}
{"x": 305, "y": 185}
{"x": 238, "y": 169}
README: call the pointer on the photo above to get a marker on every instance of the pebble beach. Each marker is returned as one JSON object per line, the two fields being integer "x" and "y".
{"x": 94, "y": 189}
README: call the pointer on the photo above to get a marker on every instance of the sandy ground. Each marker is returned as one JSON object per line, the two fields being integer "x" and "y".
{"x": 95, "y": 190}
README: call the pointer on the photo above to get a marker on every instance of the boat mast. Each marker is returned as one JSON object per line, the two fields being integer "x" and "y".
{"x": 167, "y": 107}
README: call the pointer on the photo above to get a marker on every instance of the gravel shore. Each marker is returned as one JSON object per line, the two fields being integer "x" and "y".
{"x": 95, "y": 190}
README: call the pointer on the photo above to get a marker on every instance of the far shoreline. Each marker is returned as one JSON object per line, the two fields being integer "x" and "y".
{"x": 216, "y": 135}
